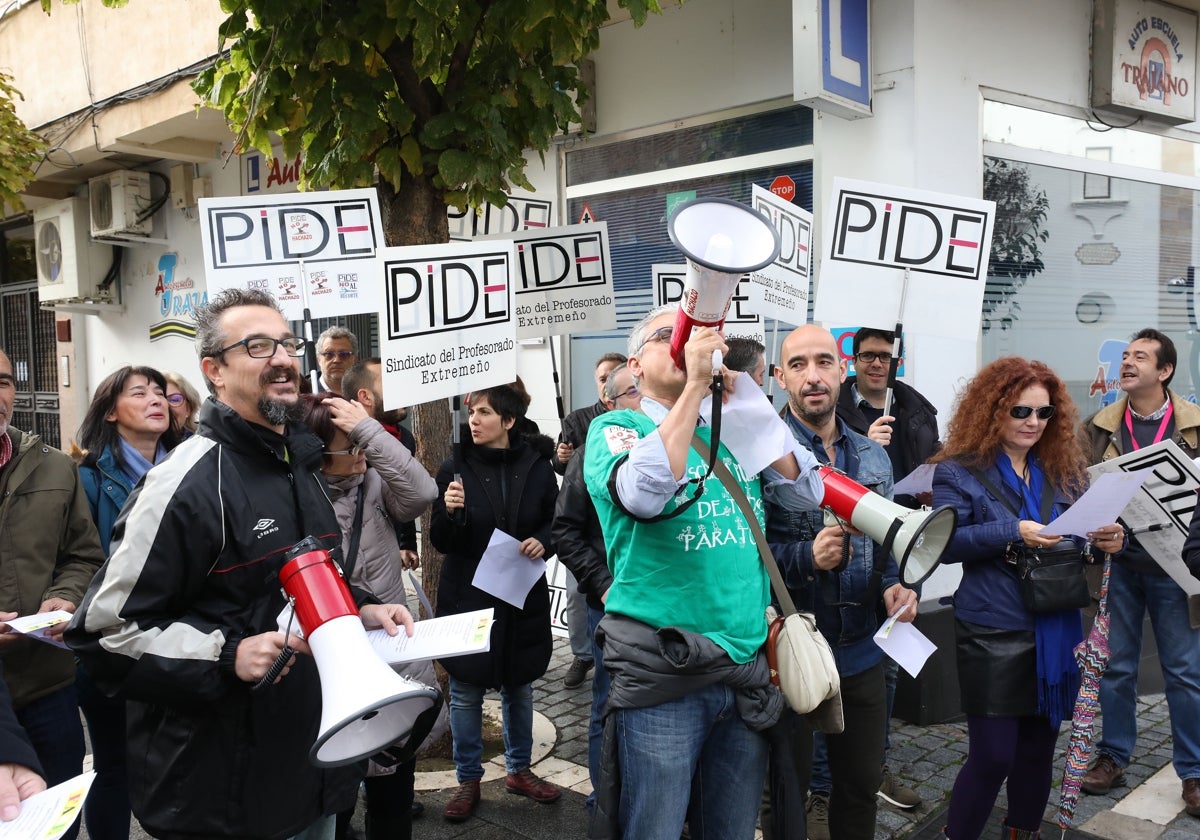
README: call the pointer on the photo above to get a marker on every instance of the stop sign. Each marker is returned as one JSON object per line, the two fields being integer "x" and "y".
{"x": 784, "y": 187}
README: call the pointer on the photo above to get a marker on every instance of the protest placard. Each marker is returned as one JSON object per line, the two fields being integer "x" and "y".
{"x": 740, "y": 321}
{"x": 780, "y": 290}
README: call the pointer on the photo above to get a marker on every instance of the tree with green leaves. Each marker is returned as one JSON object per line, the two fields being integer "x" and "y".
{"x": 1021, "y": 209}
{"x": 20, "y": 149}
{"x": 433, "y": 101}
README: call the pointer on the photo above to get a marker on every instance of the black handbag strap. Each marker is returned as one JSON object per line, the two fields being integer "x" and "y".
{"x": 355, "y": 533}
{"x": 760, "y": 539}
{"x": 1047, "y": 500}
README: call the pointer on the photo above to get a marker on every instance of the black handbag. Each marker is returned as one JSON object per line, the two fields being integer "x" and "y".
{"x": 1052, "y": 578}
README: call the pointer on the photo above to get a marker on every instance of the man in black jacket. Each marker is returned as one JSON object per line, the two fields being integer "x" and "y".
{"x": 182, "y": 619}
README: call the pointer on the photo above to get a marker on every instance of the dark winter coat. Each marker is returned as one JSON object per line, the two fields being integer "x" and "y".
{"x": 914, "y": 434}
{"x": 514, "y": 490}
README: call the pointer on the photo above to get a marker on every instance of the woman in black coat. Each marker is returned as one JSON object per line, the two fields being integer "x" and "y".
{"x": 506, "y": 484}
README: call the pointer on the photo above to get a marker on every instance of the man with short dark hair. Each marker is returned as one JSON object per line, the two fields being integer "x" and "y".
{"x": 337, "y": 351}
{"x": 1148, "y": 413}
{"x": 749, "y": 355}
{"x": 182, "y": 619}
{"x": 49, "y": 551}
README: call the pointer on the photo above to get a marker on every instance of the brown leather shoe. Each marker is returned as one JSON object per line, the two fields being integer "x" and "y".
{"x": 1191, "y": 797}
{"x": 1103, "y": 777}
{"x": 526, "y": 783}
{"x": 463, "y": 803}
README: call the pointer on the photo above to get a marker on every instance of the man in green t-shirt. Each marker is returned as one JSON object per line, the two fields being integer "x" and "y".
{"x": 683, "y": 626}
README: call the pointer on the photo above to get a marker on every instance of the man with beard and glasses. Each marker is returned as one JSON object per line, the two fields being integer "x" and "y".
{"x": 835, "y": 573}
{"x": 182, "y": 618}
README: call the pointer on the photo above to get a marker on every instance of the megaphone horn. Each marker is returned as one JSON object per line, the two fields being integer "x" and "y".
{"x": 366, "y": 707}
{"x": 722, "y": 240}
{"x": 916, "y": 538}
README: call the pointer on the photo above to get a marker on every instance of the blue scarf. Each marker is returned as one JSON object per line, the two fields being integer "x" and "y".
{"x": 1058, "y": 633}
{"x": 135, "y": 463}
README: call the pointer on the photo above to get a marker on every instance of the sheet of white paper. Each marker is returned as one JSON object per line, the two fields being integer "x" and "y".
{"x": 505, "y": 572}
{"x": 904, "y": 643}
{"x": 48, "y": 815}
{"x": 751, "y": 428}
{"x": 437, "y": 638}
{"x": 919, "y": 480}
{"x": 36, "y": 626}
{"x": 1103, "y": 502}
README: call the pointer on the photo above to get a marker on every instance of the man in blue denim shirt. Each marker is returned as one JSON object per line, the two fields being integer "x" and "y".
{"x": 848, "y": 601}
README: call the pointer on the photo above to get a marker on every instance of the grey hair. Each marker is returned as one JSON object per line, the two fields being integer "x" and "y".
{"x": 337, "y": 332}
{"x": 610, "y": 384}
{"x": 637, "y": 335}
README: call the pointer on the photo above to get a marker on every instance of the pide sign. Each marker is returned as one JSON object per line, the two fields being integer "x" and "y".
{"x": 884, "y": 237}
{"x": 1144, "y": 59}
{"x": 315, "y": 248}
{"x": 447, "y": 320}
{"x": 740, "y": 320}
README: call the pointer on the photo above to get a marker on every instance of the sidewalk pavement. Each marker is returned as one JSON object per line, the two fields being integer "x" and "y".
{"x": 925, "y": 757}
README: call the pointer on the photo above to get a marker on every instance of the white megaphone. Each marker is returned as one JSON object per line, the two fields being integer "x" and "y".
{"x": 722, "y": 240}
{"x": 916, "y": 538}
{"x": 366, "y": 707}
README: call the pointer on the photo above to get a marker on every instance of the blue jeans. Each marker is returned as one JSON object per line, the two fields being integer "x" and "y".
{"x": 106, "y": 810}
{"x": 53, "y": 725}
{"x": 694, "y": 759}
{"x": 600, "y": 683}
{"x": 577, "y": 620}
{"x": 466, "y": 724}
{"x": 1130, "y": 594}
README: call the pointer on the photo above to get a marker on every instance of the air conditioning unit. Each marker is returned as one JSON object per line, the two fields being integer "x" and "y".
{"x": 70, "y": 267}
{"x": 119, "y": 200}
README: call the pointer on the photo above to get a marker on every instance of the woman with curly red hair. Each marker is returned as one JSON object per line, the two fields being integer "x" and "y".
{"x": 1012, "y": 435}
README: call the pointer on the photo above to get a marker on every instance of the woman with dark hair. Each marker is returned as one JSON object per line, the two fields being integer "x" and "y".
{"x": 1011, "y": 444}
{"x": 127, "y": 429}
{"x": 506, "y": 484}
{"x": 374, "y": 482}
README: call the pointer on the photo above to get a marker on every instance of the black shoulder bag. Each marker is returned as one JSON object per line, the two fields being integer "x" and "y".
{"x": 1052, "y": 578}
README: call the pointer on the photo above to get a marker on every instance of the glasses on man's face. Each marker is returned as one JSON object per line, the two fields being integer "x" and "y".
{"x": 330, "y": 355}
{"x": 662, "y": 334}
{"x": 353, "y": 450}
{"x": 264, "y": 348}
{"x": 1022, "y": 412}
{"x": 872, "y": 358}
{"x": 630, "y": 392}
{"x": 176, "y": 399}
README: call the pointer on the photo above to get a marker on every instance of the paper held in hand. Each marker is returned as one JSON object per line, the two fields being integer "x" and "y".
{"x": 37, "y": 626}
{"x": 48, "y": 815}
{"x": 437, "y": 638}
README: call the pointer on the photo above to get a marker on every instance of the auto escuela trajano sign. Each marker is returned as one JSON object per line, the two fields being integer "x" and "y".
{"x": 447, "y": 324}
{"x": 564, "y": 282}
{"x": 318, "y": 250}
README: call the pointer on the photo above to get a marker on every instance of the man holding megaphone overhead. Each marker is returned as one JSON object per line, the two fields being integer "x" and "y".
{"x": 683, "y": 629}
{"x": 183, "y": 619}
{"x": 839, "y": 574}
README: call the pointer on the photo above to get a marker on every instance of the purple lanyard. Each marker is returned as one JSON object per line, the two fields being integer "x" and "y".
{"x": 1162, "y": 429}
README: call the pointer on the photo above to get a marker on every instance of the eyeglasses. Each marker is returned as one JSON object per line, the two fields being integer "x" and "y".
{"x": 353, "y": 450}
{"x": 176, "y": 399}
{"x": 872, "y": 358}
{"x": 661, "y": 334}
{"x": 330, "y": 355}
{"x": 631, "y": 391}
{"x": 264, "y": 348}
{"x": 1022, "y": 412}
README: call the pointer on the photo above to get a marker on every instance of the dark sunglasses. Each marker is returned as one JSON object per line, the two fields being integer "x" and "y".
{"x": 1022, "y": 412}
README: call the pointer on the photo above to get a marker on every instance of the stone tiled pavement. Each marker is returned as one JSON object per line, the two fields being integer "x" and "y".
{"x": 926, "y": 757}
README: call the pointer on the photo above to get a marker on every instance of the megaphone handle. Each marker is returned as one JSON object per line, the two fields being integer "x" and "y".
{"x": 276, "y": 668}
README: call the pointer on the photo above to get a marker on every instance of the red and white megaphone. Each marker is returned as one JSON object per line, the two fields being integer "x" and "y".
{"x": 722, "y": 240}
{"x": 366, "y": 707}
{"x": 916, "y": 538}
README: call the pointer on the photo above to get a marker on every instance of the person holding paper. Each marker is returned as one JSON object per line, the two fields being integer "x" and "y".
{"x": 49, "y": 551}
{"x": 128, "y": 428}
{"x": 1010, "y": 454}
{"x": 502, "y": 481}
{"x": 20, "y": 771}
{"x": 374, "y": 482}
{"x": 687, "y": 577}
{"x": 844, "y": 580}
{"x": 1148, "y": 413}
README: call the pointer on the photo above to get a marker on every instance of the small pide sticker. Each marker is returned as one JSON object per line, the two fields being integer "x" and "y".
{"x": 619, "y": 439}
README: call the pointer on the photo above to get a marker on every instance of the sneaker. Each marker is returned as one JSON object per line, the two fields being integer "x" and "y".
{"x": 463, "y": 803}
{"x": 577, "y": 673}
{"x": 526, "y": 783}
{"x": 895, "y": 792}
{"x": 1103, "y": 777}
{"x": 817, "y": 813}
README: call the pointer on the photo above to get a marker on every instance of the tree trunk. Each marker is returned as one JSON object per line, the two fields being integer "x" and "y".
{"x": 417, "y": 216}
